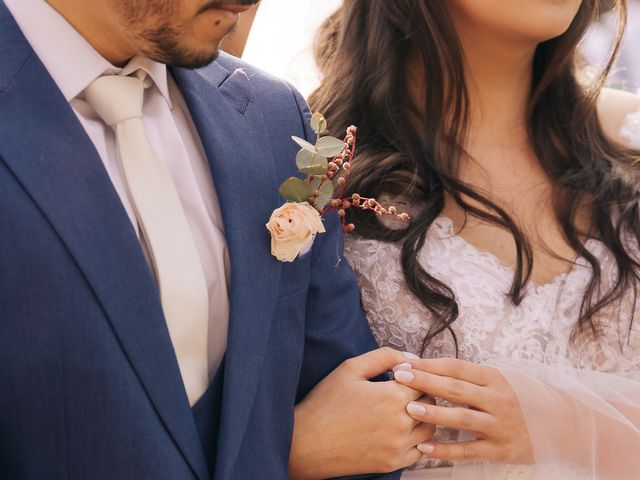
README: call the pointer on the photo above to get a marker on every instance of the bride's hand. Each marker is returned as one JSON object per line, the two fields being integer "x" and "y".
{"x": 495, "y": 415}
{"x": 349, "y": 425}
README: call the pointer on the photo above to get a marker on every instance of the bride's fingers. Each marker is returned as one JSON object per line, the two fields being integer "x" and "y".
{"x": 374, "y": 363}
{"x": 458, "y": 418}
{"x": 461, "y": 451}
{"x": 412, "y": 456}
{"x": 450, "y": 367}
{"x": 454, "y": 390}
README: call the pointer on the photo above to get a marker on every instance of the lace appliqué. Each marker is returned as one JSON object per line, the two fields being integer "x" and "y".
{"x": 489, "y": 326}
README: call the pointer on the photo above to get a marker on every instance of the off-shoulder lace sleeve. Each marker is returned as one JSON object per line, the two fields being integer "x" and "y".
{"x": 397, "y": 318}
{"x": 382, "y": 287}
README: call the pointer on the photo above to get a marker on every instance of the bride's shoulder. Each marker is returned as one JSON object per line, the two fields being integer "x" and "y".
{"x": 619, "y": 111}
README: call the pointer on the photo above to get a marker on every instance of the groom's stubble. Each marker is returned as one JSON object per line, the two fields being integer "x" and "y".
{"x": 185, "y": 33}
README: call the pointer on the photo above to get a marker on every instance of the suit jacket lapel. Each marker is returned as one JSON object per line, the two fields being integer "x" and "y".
{"x": 46, "y": 148}
{"x": 233, "y": 132}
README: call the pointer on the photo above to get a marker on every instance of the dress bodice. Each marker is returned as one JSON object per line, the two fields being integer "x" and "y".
{"x": 490, "y": 327}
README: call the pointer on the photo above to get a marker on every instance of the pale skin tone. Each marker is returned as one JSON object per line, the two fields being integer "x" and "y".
{"x": 499, "y": 39}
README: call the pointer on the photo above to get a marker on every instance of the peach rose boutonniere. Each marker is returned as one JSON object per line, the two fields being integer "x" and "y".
{"x": 326, "y": 165}
{"x": 293, "y": 228}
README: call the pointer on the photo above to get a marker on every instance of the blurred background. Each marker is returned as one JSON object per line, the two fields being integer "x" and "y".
{"x": 598, "y": 43}
{"x": 277, "y": 36}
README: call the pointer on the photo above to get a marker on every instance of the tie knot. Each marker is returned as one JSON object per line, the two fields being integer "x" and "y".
{"x": 115, "y": 98}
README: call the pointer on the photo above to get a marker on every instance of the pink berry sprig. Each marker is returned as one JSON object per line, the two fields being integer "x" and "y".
{"x": 327, "y": 165}
{"x": 356, "y": 201}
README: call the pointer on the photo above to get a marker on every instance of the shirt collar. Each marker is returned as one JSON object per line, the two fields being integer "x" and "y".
{"x": 68, "y": 57}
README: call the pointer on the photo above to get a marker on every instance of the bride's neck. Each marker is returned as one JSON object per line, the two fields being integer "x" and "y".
{"x": 499, "y": 77}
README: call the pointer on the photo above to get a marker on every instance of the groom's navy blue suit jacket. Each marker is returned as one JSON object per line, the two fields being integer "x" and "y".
{"x": 89, "y": 384}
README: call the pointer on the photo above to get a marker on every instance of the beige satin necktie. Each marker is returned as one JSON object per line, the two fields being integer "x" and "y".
{"x": 118, "y": 101}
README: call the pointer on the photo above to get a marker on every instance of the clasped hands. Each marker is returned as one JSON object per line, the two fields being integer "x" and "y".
{"x": 349, "y": 425}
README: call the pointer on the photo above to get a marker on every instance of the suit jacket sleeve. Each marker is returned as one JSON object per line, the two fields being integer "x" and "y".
{"x": 336, "y": 328}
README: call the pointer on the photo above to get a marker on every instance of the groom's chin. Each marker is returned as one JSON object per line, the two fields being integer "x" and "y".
{"x": 188, "y": 59}
{"x": 195, "y": 62}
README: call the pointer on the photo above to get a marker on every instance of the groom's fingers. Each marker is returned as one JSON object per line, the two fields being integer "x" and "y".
{"x": 376, "y": 362}
{"x": 419, "y": 435}
{"x": 423, "y": 433}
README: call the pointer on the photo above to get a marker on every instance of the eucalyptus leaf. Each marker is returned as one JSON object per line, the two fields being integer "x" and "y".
{"x": 304, "y": 144}
{"x": 314, "y": 169}
{"x": 318, "y": 123}
{"x": 296, "y": 190}
{"x": 329, "y": 147}
{"x": 305, "y": 158}
{"x": 326, "y": 192}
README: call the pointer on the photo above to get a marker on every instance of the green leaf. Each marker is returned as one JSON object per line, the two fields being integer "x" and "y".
{"x": 318, "y": 123}
{"x": 304, "y": 144}
{"x": 305, "y": 158}
{"x": 296, "y": 190}
{"x": 329, "y": 147}
{"x": 314, "y": 169}
{"x": 326, "y": 192}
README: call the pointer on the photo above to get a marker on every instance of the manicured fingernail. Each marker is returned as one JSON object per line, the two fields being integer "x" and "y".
{"x": 402, "y": 366}
{"x": 426, "y": 448}
{"x": 416, "y": 409}
{"x": 403, "y": 376}
{"x": 411, "y": 356}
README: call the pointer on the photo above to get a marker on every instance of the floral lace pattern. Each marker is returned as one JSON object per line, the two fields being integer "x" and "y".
{"x": 489, "y": 326}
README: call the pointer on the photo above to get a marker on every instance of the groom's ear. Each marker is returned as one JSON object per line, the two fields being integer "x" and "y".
{"x": 377, "y": 362}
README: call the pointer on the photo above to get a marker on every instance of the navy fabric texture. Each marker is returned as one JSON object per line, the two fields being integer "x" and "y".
{"x": 89, "y": 383}
{"x": 207, "y": 416}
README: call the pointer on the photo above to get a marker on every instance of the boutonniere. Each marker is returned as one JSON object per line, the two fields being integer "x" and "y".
{"x": 326, "y": 167}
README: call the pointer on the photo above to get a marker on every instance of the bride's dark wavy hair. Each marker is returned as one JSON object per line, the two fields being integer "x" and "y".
{"x": 363, "y": 51}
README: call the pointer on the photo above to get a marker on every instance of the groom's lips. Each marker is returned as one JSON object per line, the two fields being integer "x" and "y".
{"x": 236, "y": 8}
{"x": 231, "y": 9}
{"x": 231, "y": 12}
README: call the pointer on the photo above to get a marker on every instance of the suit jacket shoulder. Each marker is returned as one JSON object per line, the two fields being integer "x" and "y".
{"x": 282, "y": 106}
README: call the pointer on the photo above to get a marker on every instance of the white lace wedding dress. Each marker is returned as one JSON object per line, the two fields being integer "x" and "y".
{"x": 581, "y": 401}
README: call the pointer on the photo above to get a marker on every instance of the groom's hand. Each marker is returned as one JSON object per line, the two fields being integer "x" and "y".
{"x": 349, "y": 425}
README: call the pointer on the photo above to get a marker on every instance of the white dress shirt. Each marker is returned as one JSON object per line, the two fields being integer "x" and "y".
{"x": 74, "y": 64}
